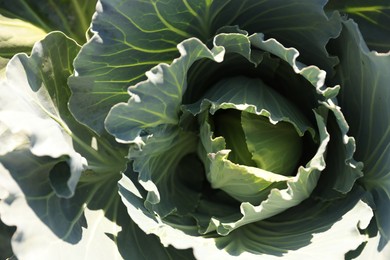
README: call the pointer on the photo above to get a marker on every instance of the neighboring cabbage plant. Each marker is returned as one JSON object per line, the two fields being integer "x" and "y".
{"x": 199, "y": 130}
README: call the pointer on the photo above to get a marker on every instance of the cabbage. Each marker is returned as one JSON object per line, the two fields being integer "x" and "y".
{"x": 195, "y": 130}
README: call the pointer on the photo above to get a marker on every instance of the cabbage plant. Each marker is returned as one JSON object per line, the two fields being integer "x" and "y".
{"x": 195, "y": 129}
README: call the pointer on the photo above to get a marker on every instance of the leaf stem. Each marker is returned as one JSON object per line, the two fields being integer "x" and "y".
{"x": 81, "y": 15}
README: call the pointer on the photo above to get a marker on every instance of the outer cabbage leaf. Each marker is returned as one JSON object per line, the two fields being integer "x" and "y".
{"x": 95, "y": 213}
{"x": 38, "y": 152}
{"x": 17, "y": 36}
{"x": 69, "y": 16}
{"x": 329, "y": 222}
{"x": 342, "y": 169}
{"x": 157, "y": 101}
{"x": 45, "y": 225}
{"x": 372, "y": 18}
{"x": 364, "y": 96}
{"x": 57, "y": 199}
{"x": 127, "y": 42}
{"x": 170, "y": 172}
{"x": 25, "y": 22}
{"x": 34, "y": 116}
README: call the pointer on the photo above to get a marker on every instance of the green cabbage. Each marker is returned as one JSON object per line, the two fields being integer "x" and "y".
{"x": 195, "y": 130}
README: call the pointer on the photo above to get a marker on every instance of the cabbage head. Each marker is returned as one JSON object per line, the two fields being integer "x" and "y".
{"x": 183, "y": 129}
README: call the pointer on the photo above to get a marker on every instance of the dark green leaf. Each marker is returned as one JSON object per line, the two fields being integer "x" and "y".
{"x": 372, "y": 17}
{"x": 6, "y": 233}
{"x": 364, "y": 98}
